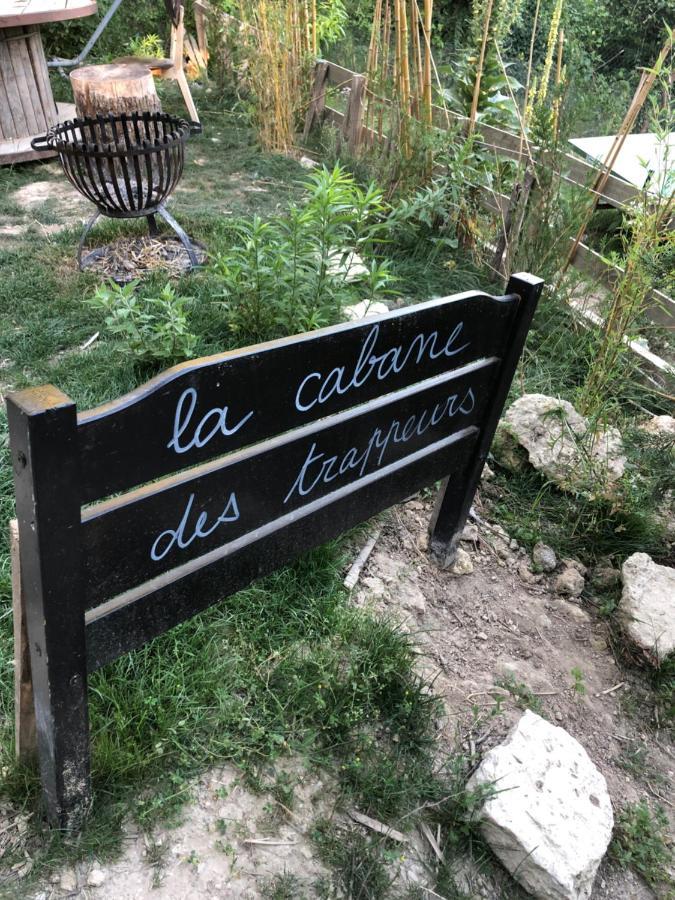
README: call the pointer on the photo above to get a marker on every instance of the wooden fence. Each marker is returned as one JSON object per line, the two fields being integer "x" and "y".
{"x": 577, "y": 172}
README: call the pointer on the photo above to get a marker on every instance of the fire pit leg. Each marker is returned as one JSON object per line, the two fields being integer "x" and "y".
{"x": 184, "y": 239}
{"x": 153, "y": 230}
{"x": 90, "y": 256}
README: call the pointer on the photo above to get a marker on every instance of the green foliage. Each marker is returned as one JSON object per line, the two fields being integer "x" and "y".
{"x": 296, "y": 271}
{"x": 495, "y": 104}
{"x": 523, "y": 695}
{"x": 641, "y": 841}
{"x": 149, "y": 45}
{"x": 152, "y": 329}
{"x": 330, "y": 22}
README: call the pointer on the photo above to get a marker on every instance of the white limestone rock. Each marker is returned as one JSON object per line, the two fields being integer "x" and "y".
{"x": 365, "y": 309}
{"x": 662, "y": 426}
{"x": 347, "y": 264}
{"x": 560, "y": 445}
{"x": 648, "y": 605}
{"x": 550, "y": 820}
{"x": 462, "y": 564}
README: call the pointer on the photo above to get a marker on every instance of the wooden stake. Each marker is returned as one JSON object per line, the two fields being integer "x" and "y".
{"x": 479, "y": 70}
{"x": 638, "y": 101}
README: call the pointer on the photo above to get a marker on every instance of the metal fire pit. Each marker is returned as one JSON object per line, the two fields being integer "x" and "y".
{"x": 127, "y": 165}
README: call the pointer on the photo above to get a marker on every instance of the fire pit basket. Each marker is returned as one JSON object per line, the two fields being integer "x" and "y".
{"x": 127, "y": 165}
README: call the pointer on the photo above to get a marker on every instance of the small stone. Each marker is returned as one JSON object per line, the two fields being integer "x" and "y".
{"x": 307, "y": 163}
{"x": 488, "y": 474}
{"x": 68, "y": 880}
{"x": 470, "y": 533}
{"x": 527, "y": 576}
{"x": 605, "y": 577}
{"x": 568, "y": 563}
{"x": 462, "y": 564}
{"x": 410, "y": 597}
{"x": 648, "y": 605}
{"x": 375, "y": 585}
{"x": 544, "y": 558}
{"x": 482, "y": 636}
{"x": 569, "y": 583}
{"x": 96, "y": 877}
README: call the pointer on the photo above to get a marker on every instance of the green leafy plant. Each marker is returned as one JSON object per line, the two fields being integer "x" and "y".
{"x": 497, "y": 87}
{"x": 641, "y": 843}
{"x": 146, "y": 46}
{"x": 149, "y": 328}
{"x": 296, "y": 272}
{"x": 579, "y": 686}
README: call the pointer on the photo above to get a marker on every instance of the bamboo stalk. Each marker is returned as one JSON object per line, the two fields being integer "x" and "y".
{"x": 528, "y": 79}
{"x": 428, "y": 13}
{"x": 417, "y": 57}
{"x": 479, "y": 68}
{"x": 646, "y": 83}
{"x": 558, "y": 79}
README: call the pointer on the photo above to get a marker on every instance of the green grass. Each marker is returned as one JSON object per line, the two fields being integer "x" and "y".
{"x": 641, "y": 840}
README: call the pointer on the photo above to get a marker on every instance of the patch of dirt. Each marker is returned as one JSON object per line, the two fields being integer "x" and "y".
{"x": 474, "y": 631}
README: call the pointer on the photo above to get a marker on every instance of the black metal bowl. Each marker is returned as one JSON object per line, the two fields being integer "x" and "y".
{"x": 127, "y": 165}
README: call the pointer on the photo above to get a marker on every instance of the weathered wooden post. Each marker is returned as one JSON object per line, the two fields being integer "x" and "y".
{"x": 45, "y": 459}
{"x": 456, "y": 495}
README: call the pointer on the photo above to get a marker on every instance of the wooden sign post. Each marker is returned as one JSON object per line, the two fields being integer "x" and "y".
{"x": 225, "y": 468}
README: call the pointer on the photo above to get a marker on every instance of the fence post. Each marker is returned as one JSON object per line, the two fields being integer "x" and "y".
{"x": 353, "y": 123}
{"x": 317, "y": 103}
{"x": 457, "y": 492}
{"x": 45, "y": 459}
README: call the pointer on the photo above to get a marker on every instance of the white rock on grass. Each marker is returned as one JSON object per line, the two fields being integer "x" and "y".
{"x": 462, "y": 564}
{"x": 660, "y": 425}
{"x": 544, "y": 557}
{"x": 347, "y": 264}
{"x": 550, "y": 820}
{"x": 648, "y": 605}
{"x": 559, "y": 444}
{"x": 364, "y": 309}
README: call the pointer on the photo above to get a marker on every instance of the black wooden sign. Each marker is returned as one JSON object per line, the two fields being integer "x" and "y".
{"x": 136, "y": 515}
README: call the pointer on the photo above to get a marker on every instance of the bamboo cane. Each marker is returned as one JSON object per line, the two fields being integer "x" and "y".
{"x": 479, "y": 69}
{"x": 558, "y": 79}
{"x": 646, "y": 83}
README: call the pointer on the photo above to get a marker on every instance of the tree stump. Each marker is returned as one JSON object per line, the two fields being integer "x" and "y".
{"x": 115, "y": 88}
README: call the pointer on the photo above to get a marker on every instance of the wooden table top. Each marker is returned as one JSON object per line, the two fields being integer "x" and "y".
{"x": 34, "y": 12}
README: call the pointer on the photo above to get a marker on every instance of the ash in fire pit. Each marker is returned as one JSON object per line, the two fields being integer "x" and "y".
{"x": 129, "y": 258}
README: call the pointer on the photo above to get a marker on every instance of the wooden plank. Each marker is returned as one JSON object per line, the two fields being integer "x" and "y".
{"x": 131, "y": 620}
{"x": 198, "y": 411}
{"x": 41, "y": 74}
{"x": 17, "y": 151}
{"x": 12, "y": 97}
{"x": 18, "y": 12}
{"x": 137, "y": 537}
{"x": 31, "y": 101}
{"x": 338, "y": 75}
{"x": 25, "y": 740}
{"x": 659, "y": 309}
{"x": 43, "y": 431}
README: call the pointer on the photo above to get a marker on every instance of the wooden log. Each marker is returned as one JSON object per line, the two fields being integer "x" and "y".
{"x": 115, "y": 88}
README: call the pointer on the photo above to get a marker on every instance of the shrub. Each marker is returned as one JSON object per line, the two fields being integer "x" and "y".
{"x": 297, "y": 271}
{"x": 153, "y": 329}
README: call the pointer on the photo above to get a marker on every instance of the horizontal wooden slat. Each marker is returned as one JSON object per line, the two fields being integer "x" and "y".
{"x": 209, "y": 407}
{"x": 659, "y": 307}
{"x": 140, "y": 536}
{"x": 129, "y": 621}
